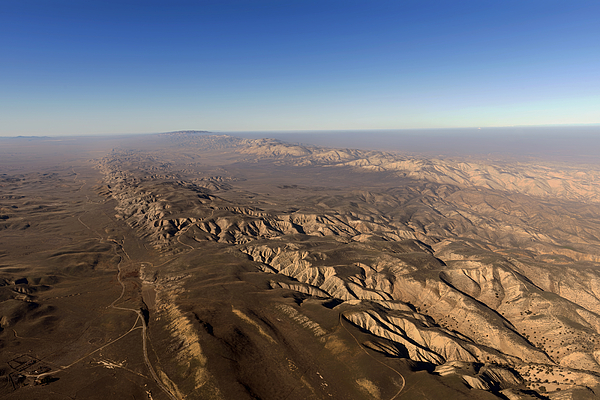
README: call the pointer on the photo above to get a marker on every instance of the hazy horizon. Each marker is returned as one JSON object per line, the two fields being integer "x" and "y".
{"x": 572, "y": 144}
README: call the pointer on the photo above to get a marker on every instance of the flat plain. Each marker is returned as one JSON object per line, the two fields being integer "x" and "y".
{"x": 200, "y": 266}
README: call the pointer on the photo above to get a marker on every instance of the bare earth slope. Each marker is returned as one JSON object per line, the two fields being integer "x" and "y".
{"x": 191, "y": 265}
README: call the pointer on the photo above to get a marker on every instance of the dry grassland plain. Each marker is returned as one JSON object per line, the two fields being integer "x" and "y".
{"x": 200, "y": 266}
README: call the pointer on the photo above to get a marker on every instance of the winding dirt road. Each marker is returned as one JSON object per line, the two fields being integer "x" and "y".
{"x": 118, "y": 248}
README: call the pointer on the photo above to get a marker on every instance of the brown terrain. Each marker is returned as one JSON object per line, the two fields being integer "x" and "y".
{"x": 195, "y": 266}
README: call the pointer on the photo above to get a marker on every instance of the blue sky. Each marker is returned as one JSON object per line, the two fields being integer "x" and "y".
{"x": 93, "y": 67}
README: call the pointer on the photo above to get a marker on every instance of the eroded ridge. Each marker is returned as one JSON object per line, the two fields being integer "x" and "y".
{"x": 448, "y": 268}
